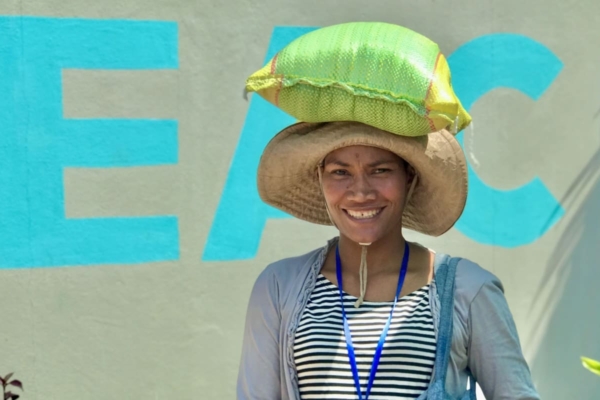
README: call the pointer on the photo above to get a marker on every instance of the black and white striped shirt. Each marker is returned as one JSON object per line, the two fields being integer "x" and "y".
{"x": 321, "y": 356}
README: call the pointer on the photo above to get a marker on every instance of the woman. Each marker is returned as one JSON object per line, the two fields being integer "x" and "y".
{"x": 371, "y": 316}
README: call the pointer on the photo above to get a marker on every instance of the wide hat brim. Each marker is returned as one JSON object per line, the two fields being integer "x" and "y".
{"x": 288, "y": 178}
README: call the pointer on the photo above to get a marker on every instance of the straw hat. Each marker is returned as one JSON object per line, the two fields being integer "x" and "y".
{"x": 288, "y": 179}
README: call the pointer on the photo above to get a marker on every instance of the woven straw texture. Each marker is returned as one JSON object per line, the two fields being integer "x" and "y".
{"x": 288, "y": 179}
{"x": 380, "y": 74}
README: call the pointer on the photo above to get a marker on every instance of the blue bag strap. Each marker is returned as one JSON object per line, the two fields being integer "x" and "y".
{"x": 445, "y": 272}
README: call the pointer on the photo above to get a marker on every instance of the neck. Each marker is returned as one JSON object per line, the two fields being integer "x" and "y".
{"x": 384, "y": 255}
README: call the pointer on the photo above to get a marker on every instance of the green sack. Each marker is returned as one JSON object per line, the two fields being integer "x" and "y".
{"x": 379, "y": 74}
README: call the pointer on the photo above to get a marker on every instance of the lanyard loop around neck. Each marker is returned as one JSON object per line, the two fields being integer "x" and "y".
{"x": 347, "y": 334}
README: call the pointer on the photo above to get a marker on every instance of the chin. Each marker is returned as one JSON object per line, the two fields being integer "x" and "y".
{"x": 368, "y": 230}
{"x": 362, "y": 237}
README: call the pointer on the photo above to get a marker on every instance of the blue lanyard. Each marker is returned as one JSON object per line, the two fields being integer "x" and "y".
{"x": 379, "y": 349}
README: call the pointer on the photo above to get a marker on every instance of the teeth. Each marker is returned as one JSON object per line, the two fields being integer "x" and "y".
{"x": 364, "y": 214}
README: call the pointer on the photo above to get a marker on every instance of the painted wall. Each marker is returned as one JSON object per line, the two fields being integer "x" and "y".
{"x": 131, "y": 227}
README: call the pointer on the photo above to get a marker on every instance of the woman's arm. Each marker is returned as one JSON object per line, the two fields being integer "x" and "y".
{"x": 495, "y": 357}
{"x": 259, "y": 375}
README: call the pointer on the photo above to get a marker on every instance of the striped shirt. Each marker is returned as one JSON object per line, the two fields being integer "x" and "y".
{"x": 321, "y": 356}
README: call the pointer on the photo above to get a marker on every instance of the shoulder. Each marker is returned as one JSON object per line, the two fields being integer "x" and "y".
{"x": 289, "y": 271}
{"x": 477, "y": 292}
{"x": 470, "y": 281}
{"x": 279, "y": 284}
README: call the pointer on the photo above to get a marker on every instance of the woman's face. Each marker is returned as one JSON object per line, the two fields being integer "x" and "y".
{"x": 365, "y": 189}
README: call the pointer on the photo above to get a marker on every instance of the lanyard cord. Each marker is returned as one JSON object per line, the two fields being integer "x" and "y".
{"x": 347, "y": 334}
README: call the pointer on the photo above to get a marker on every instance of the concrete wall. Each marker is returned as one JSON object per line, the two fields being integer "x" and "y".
{"x": 131, "y": 227}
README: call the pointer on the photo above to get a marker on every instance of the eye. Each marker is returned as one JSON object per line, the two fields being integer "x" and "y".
{"x": 339, "y": 172}
{"x": 382, "y": 170}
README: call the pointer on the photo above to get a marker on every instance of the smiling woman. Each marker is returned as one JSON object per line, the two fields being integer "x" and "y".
{"x": 365, "y": 191}
{"x": 360, "y": 183}
{"x": 370, "y": 315}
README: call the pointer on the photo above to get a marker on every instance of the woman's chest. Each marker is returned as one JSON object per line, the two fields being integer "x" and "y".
{"x": 321, "y": 354}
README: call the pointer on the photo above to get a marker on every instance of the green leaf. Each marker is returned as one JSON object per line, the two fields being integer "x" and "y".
{"x": 592, "y": 365}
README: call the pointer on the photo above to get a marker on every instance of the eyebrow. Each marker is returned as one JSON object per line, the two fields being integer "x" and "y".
{"x": 370, "y": 165}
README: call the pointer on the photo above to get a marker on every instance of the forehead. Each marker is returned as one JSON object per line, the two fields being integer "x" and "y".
{"x": 361, "y": 154}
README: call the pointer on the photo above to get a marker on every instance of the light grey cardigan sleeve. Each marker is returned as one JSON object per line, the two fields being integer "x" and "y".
{"x": 259, "y": 372}
{"x": 495, "y": 356}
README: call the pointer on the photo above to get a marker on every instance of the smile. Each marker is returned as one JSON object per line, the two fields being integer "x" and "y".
{"x": 366, "y": 214}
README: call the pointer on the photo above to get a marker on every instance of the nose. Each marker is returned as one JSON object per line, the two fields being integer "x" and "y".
{"x": 361, "y": 189}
